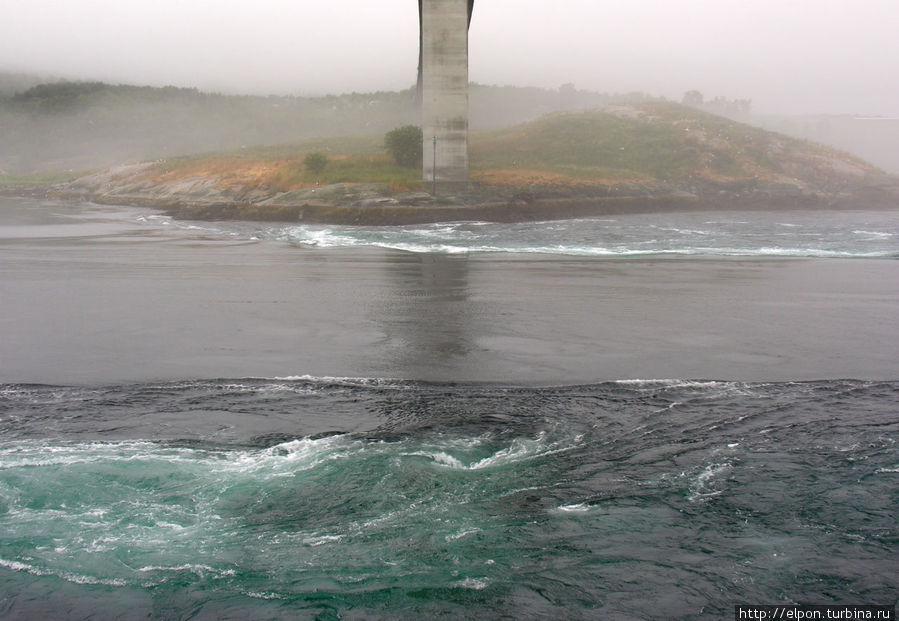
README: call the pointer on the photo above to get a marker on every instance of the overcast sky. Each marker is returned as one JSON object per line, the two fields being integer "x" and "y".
{"x": 786, "y": 55}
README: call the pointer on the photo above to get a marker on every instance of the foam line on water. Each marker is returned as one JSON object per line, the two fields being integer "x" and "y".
{"x": 520, "y": 449}
{"x": 825, "y": 236}
{"x": 67, "y": 576}
{"x": 581, "y": 507}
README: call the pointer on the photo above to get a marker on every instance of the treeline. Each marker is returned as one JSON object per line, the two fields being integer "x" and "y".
{"x": 13, "y": 83}
{"x": 61, "y": 97}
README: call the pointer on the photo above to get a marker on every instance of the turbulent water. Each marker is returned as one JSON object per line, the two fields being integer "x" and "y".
{"x": 326, "y": 497}
{"x": 749, "y": 234}
{"x": 640, "y": 499}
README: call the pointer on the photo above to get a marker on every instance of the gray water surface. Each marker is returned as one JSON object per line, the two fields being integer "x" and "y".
{"x": 94, "y": 294}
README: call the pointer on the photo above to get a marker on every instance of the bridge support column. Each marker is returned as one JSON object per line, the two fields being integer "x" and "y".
{"x": 444, "y": 91}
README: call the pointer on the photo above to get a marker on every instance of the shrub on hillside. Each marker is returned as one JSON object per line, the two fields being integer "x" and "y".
{"x": 315, "y": 162}
{"x": 404, "y": 145}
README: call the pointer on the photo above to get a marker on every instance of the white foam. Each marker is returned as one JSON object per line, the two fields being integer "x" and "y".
{"x": 682, "y": 231}
{"x": 580, "y": 507}
{"x": 520, "y": 449}
{"x": 283, "y": 459}
{"x": 709, "y": 473}
{"x": 194, "y": 568}
{"x": 441, "y": 458}
{"x": 39, "y": 454}
{"x": 462, "y": 533}
{"x": 68, "y": 577}
{"x": 17, "y": 566}
{"x": 673, "y": 383}
{"x": 261, "y": 595}
{"x": 321, "y": 540}
{"x": 475, "y": 584}
{"x": 519, "y": 490}
{"x": 171, "y": 526}
{"x": 360, "y": 382}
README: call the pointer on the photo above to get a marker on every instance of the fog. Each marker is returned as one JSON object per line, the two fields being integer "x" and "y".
{"x": 788, "y": 56}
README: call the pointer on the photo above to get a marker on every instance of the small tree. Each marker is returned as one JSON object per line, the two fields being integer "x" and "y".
{"x": 404, "y": 145}
{"x": 693, "y": 98}
{"x": 315, "y": 162}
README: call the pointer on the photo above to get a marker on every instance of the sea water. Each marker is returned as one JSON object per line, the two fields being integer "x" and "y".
{"x": 308, "y": 496}
{"x": 739, "y": 234}
{"x": 638, "y": 499}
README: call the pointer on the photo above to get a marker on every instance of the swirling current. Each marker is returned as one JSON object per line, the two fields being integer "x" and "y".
{"x": 863, "y": 234}
{"x": 370, "y": 498}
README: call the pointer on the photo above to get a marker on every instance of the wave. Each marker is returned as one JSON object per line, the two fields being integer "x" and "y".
{"x": 825, "y": 235}
{"x": 65, "y": 575}
{"x": 875, "y": 234}
{"x": 308, "y": 384}
{"x": 519, "y": 449}
{"x": 143, "y": 513}
{"x": 327, "y": 239}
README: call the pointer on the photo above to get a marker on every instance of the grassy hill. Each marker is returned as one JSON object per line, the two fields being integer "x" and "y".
{"x": 644, "y": 155}
{"x": 652, "y": 143}
{"x": 658, "y": 143}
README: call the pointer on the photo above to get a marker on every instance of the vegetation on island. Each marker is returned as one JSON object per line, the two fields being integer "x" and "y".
{"x": 315, "y": 162}
{"x": 566, "y": 143}
{"x": 659, "y": 142}
{"x": 404, "y": 144}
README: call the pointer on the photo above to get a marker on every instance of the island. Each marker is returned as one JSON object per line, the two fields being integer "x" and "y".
{"x": 649, "y": 156}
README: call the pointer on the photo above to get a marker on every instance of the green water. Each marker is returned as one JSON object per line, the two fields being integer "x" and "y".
{"x": 607, "y": 501}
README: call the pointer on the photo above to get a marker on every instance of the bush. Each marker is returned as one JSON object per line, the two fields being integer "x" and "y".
{"x": 404, "y": 145}
{"x": 315, "y": 162}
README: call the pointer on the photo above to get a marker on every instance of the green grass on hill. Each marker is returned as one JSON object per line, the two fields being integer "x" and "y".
{"x": 586, "y": 146}
{"x": 650, "y": 141}
{"x": 640, "y": 142}
{"x": 603, "y": 145}
{"x": 351, "y": 159}
{"x": 352, "y": 169}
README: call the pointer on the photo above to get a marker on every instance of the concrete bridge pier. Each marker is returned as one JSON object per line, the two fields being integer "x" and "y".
{"x": 444, "y": 91}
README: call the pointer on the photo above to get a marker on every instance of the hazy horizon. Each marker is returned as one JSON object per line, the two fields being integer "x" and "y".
{"x": 828, "y": 56}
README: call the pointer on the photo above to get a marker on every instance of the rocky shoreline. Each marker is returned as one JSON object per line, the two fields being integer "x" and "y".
{"x": 210, "y": 198}
{"x": 374, "y": 204}
{"x": 513, "y": 211}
